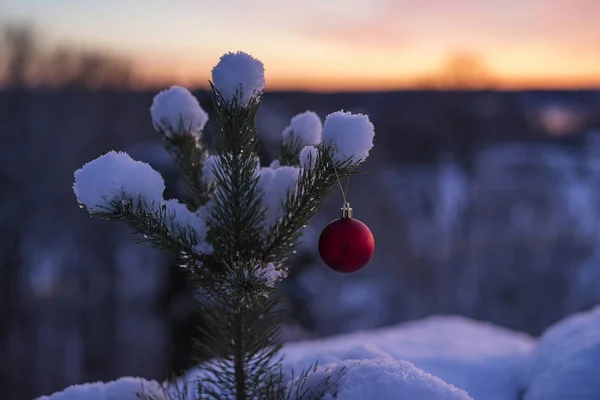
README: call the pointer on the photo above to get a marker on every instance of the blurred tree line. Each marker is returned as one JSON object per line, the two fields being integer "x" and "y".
{"x": 72, "y": 292}
{"x": 25, "y": 60}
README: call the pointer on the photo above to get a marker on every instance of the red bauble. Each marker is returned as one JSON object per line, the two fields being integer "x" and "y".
{"x": 346, "y": 244}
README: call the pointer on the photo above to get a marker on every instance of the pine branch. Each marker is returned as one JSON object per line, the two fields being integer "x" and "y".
{"x": 289, "y": 151}
{"x": 237, "y": 210}
{"x": 155, "y": 228}
{"x": 314, "y": 185}
{"x": 247, "y": 369}
{"x": 189, "y": 157}
{"x": 239, "y": 350}
{"x": 248, "y": 325}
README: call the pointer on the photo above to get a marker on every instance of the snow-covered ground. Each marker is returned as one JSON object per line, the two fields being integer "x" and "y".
{"x": 482, "y": 359}
{"x": 435, "y": 358}
{"x": 566, "y": 361}
{"x": 438, "y": 358}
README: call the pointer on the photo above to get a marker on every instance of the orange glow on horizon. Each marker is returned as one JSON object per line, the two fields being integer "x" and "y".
{"x": 348, "y": 81}
{"x": 328, "y": 84}
{"x": 339, "y": 45}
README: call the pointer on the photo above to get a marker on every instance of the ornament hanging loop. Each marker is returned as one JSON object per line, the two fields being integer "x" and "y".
{"x": 346, "y": 211}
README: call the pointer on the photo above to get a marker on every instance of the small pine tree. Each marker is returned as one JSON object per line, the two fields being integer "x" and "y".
{"x": 235, "y": 231}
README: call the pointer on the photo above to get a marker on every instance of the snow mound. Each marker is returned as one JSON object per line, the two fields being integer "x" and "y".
{"x": 381, "y": 378}
{"x": 566, "y": 361}
{"x": 121, "y": 389}
{"x": 480, "y": 358}
{"x": 449, "y": 358}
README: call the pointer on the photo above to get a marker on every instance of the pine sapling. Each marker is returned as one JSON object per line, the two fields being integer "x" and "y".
{"x": 239, "y": 223}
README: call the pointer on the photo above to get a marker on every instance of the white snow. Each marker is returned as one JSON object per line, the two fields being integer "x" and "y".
{"x": 284, "y": 179}
{"x": 271, "y": 274}
{"x": 176, "y": 111}
{"x": 274, "y": 164}
{"x": 306, "y": 127}
{"x": 435, "y": 358}
{"x": 239, "y": 74}
{"x": 265, "y": 177}
{"x": 275, "y": 184}
{"x": 382, "y": 378}
{"x": 566, "y": 361}
{"x": 287, "y": 133}
{"x": 480, "y": 358}
{"x": 121, "y": 389}
{"x": 351, "y": 134}
{"x": 308, "y": 157}
{"x": 116, "y": 176}
{"x": 208, "y": 173}
{"x": 205, "y": 210}
{"x": 182, "y": 218}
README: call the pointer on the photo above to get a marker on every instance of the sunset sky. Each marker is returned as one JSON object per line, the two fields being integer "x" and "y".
{"x": 334, "y": 44}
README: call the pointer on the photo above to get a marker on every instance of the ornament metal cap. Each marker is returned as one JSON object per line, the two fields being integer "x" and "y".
{"x": 346, "y": 211}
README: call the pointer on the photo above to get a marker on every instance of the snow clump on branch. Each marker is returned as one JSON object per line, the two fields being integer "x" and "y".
{"x": 308, "y": 157}
{"x": 181, "y": 218}
{"x": 239, "y": 74}
{"x": 351, "y": 134}
{"x": 116, "y": 176}
{"x": 175, "y": 111}
{"x": 306, "y": 128}
{"x": 275, "y": 184}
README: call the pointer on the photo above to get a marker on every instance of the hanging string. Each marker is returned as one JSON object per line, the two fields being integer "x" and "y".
{"x": 337, "y": 177}
{"x": 347, "y": 184}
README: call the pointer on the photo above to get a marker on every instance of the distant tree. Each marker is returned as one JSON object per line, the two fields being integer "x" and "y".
{"x": 462, "y": 70}
{"x": 88, "y": 69}
{"x": 19, "y": 44}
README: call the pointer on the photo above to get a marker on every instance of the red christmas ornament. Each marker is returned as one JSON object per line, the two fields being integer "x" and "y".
{"x": 346, "y": 244}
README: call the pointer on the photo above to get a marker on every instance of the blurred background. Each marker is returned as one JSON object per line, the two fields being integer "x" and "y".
{"x": 483, "y": 188}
